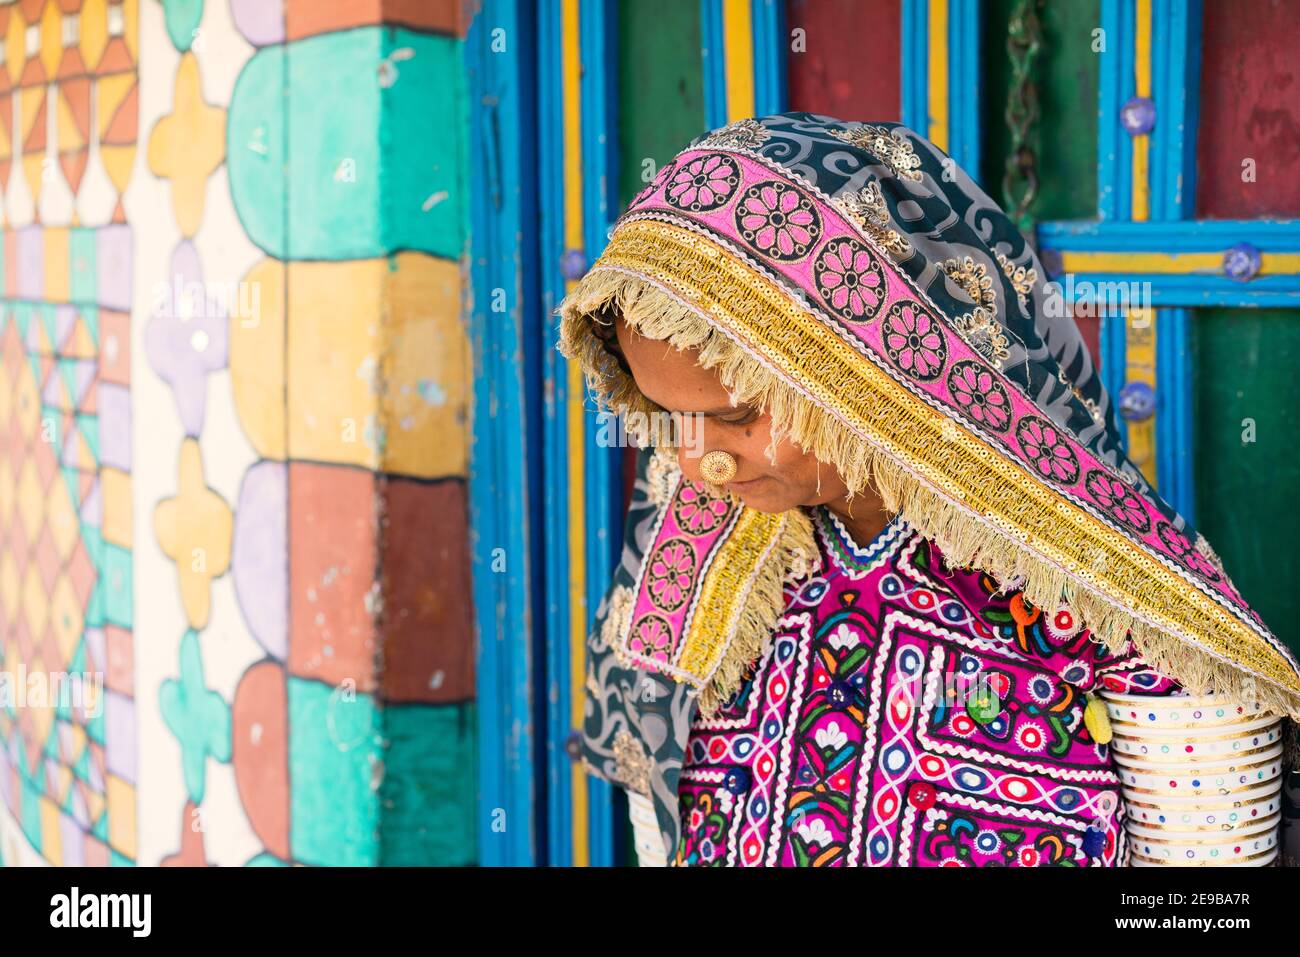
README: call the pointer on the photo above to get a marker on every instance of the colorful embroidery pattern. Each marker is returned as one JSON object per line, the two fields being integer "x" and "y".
{"x": 1047, "y": 450}
{"x": 984, "y": 399}
{"x": 704, "y": 183}
{"x": 1117, "y": 499}
{"x": 778, "y": 220}
{"x": 849, "y": 280}
{"x": 914, "y": 341}
{"x": 908, "y": 714}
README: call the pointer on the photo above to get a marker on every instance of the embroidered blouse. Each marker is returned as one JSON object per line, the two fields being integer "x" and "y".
{"x": 907, "y": 713}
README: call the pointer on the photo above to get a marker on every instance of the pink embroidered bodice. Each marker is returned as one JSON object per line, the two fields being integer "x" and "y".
{"x": 906, "y": 713}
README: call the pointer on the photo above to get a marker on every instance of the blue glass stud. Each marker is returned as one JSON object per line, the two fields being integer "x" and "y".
{"x": 1138, "y": 115}
{"x": 1137, "y": 401}
{"x": 573, "y": 264}
{"x": 1241, "y": 263}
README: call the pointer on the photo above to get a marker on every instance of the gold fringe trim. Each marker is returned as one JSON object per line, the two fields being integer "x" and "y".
{"x": 757, "y": 611}
{"x": 964, "y": 538}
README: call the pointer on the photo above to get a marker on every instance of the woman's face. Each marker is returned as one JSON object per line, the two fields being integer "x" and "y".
{"x": 674, "y": 381}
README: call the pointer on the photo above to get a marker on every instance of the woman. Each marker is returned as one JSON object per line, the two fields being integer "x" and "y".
{"x": 867, "y": 625}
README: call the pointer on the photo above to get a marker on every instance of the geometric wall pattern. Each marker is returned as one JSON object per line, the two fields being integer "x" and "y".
{"x": 68, "y": 125}
{"x": 234, "y": 386}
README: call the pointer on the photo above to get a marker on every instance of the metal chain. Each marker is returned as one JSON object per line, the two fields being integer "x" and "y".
{"x": 1020, "y": 180}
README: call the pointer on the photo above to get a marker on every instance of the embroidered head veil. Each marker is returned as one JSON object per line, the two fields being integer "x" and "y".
{"x": 853, "y": 282}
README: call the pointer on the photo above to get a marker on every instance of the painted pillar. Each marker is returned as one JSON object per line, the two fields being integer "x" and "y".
{"x": 348, "y": 169}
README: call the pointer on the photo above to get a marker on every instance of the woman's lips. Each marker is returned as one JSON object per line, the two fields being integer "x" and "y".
{"x": 748, "y": 483}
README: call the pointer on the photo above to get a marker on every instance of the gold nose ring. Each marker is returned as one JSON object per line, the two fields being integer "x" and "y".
{"x": 718, "y": 467}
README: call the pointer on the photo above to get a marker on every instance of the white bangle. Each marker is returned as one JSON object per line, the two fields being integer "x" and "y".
{"x": 645, "y": 831}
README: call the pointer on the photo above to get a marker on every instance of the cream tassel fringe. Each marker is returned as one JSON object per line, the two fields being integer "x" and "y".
{"x": 963, "y": 538}
{"x": 760, "y": 610}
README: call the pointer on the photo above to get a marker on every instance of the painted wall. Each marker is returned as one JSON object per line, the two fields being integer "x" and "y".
{"x": 234, "y": 432}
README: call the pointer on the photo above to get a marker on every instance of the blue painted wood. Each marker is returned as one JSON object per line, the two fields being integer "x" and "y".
{"x": 915, "y": 107}
{"x": 714, "y": 54}
{"x": 1125, "y": 90}
{"x": 604, "y": 499}
{"x": 1175, "y": 451}
{"x": 1114, "y": 362}
{"x": 771, "y": 43}
{"x": 1175, "y": 236}
{"x": 964, "y": 96}
{"x": 1167, "y": 103}
{"x": 1189, "y": 290}
{"x": 555, "y": 480}
{"x": 1176, "y": 89}
{"x": 502, "y": 508}
{"x": 1111, "y": 169}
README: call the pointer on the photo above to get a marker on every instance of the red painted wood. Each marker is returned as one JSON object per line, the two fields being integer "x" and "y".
{"x": 1250, "y": 108}
{"x": 1090, "y": 326}
{"x": 851, "y": 65}
{"x": 1087, "y": 317}
{"x": 629, "y": 472}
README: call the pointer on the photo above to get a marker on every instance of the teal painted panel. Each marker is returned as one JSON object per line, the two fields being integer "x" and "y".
{"x": 31, "y": 811}
{"x": 430, "y": 786}
{"x": 371, "y": 139}
{"x": 424, "y": 164}
{"x": 182, "y": 18}
{"x": 117, "y": 577}
{"x": 334, "y": 105}
{"x": 1247, "y": 470}
{"x": 82, "y": 268}
{"x": 256, "y": 153}
{"x": 333, "y": 760}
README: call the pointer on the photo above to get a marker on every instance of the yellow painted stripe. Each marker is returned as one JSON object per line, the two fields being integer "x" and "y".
{"x": 1142, "y": 65}
{"x": 575, "y": 420}
{"x": 1271, "y": 264}
{"x": 1140, "y": 366}
{"x": 1142, "y": 144}
{"x": 738, "y": 41}
{"x": 938, "y": 93}
{"x": 571, "y": 64}
{"x": 1141, "y": 179}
